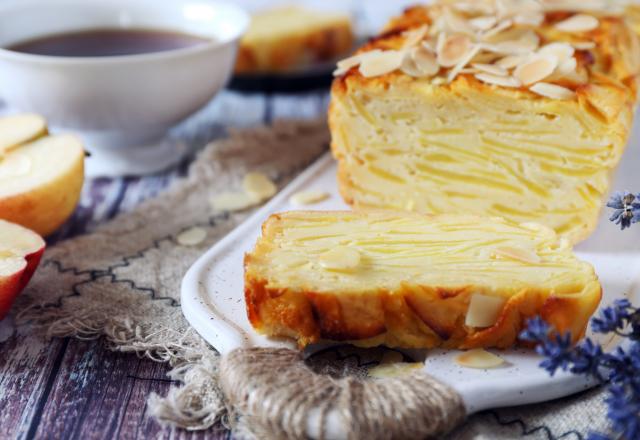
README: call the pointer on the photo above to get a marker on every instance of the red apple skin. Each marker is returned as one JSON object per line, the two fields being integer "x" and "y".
{"x": 11, "y": 286}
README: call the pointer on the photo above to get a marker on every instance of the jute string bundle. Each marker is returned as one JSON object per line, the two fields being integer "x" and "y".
{"x": 277, "y": 392}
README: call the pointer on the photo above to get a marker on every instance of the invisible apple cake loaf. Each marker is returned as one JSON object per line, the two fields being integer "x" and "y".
{"x": 413, "y": 281}
{"x": 513, "y": 108}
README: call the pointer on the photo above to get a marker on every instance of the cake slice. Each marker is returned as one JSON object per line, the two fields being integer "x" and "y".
{"x": 291, "y": 37}
{"x": 517, "y": 109}
{"x": 413, "y": 281}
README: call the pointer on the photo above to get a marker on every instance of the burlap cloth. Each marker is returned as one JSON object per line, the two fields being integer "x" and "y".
{"x": 122, "y": 282}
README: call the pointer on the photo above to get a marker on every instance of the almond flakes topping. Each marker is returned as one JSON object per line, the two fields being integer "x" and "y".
{"x": 483, "y": 23}
{"x": 453, "y": 49}
{"x": 192, "y": 236}
{"x": 584, "y": 45}
{"x": 414, "y": 36}
{"x": 492, "y": 69}
{"x": 382, "y": 63}
{"x": 536, "y": 68}
{"x": 562, "y": 51}
{"x": 504, "y": 81}
{"x": 420, "y": 62}
{"x": 308, "y": 197}
{"x": 578, "y": 23}
{"x": 552, "y": 91}
{"x": 495, "y": 36}
{"x": 510, "y": 61}
{"x": 478, "y": 358}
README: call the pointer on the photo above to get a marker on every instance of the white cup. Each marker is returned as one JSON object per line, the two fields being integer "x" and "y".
{"x": 121, "y": 105}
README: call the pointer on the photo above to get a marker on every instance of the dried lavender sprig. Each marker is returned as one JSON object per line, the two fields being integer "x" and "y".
{"x": 626, "y": 208}
{"x": 621, "y": 368}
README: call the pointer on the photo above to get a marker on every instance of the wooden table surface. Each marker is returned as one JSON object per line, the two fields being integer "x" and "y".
{"x": 75, "y": 389}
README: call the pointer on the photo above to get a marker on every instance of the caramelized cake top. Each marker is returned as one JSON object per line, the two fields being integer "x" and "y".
{"x": 549, "y": 48}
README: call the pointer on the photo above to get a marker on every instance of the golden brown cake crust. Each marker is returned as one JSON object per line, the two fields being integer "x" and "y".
{"x": 615, "y": 61}
{"x": 411, "y": 316}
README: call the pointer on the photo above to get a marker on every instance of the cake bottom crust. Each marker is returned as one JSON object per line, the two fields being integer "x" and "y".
{"x": 411, "y": 316}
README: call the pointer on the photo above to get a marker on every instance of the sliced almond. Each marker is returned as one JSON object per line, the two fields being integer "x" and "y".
{"x": 576, "y": 5}
{"x": 483, "y": 310}
{"x": 567, "y": 66}
{"x": 578, "y": 23}
{"x": 414, "y": 36}
{"x": 510, "y": 61}
{"x": 340, "y": 258}
{"x": 562, "y": 51}
{"x": 393, "y": 370}
{"x": 381, "y": 63}
{"x": 463, "y": 63}
{"x": 536, "y": 68}
{"x": 420, "y": 62}
{"x": 430, "y": 45}
{"x": 308, "y": 197}
{"x": 534, "y": 19}
{"x": 501, "y": 26}
{"x": 453, "y": 50}
{"x": 192, "y": 236}
{"x": 259, "y": 186}
{"x": 343, "y": 66}
{"x": 474, "y": 7}
{"x": 483, "y": 23}
{"x": 552, "y": 91}
{"x": 503, "y": 81}
{"x": 440, "y": 40}
{"x": 584, "y": 45}
{"x": 456, "y": 24}
{"x": 493, "y": 69}
{"x": 519, "y": 254}
{"x": 478, "y": 358}
{"x": 525, "y": 44}
{"x": 232, "y": 201}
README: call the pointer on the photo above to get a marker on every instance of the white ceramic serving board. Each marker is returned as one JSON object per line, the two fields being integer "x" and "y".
{"x": 213, "y": 299}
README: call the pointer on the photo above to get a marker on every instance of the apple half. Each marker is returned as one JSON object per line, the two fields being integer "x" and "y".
{"x": 41, "y": 176}
{"x": 20, "y": 252}
{"x": 19, "y": 129}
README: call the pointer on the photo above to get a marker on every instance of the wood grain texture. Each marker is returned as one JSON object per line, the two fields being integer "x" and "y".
{"x": 73, "y": 389}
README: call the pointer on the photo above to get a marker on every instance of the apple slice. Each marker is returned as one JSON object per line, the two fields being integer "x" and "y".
{"x": 20, "y": 129}
{"x": 40, "y": 182}
{"x": 20, "y": 253}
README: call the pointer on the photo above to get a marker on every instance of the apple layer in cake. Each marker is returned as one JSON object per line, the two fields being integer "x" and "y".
{"x": 413, "y": 281}
{"x": 519, "y": 109}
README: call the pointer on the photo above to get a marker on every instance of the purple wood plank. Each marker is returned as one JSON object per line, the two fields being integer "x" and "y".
{"x": 26, "y": 364}
{"x": 100, "y": 394}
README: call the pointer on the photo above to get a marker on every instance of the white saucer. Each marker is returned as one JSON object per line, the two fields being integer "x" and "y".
{"x": 134, "y": 161}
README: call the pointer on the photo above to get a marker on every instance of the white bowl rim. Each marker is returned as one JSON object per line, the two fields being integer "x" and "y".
{"x": 210, "y": 44}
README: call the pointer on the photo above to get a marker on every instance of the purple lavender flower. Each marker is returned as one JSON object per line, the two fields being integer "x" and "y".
{"x": 626, "y": 209}
{"x": 597, "y": 436}
{"x": 624, "y": 411}
{"x": 612, "y": 319}
{"x": 620, "y": 368}
{"x": 536, "y": 330}
{"x": 586, "y": 359}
